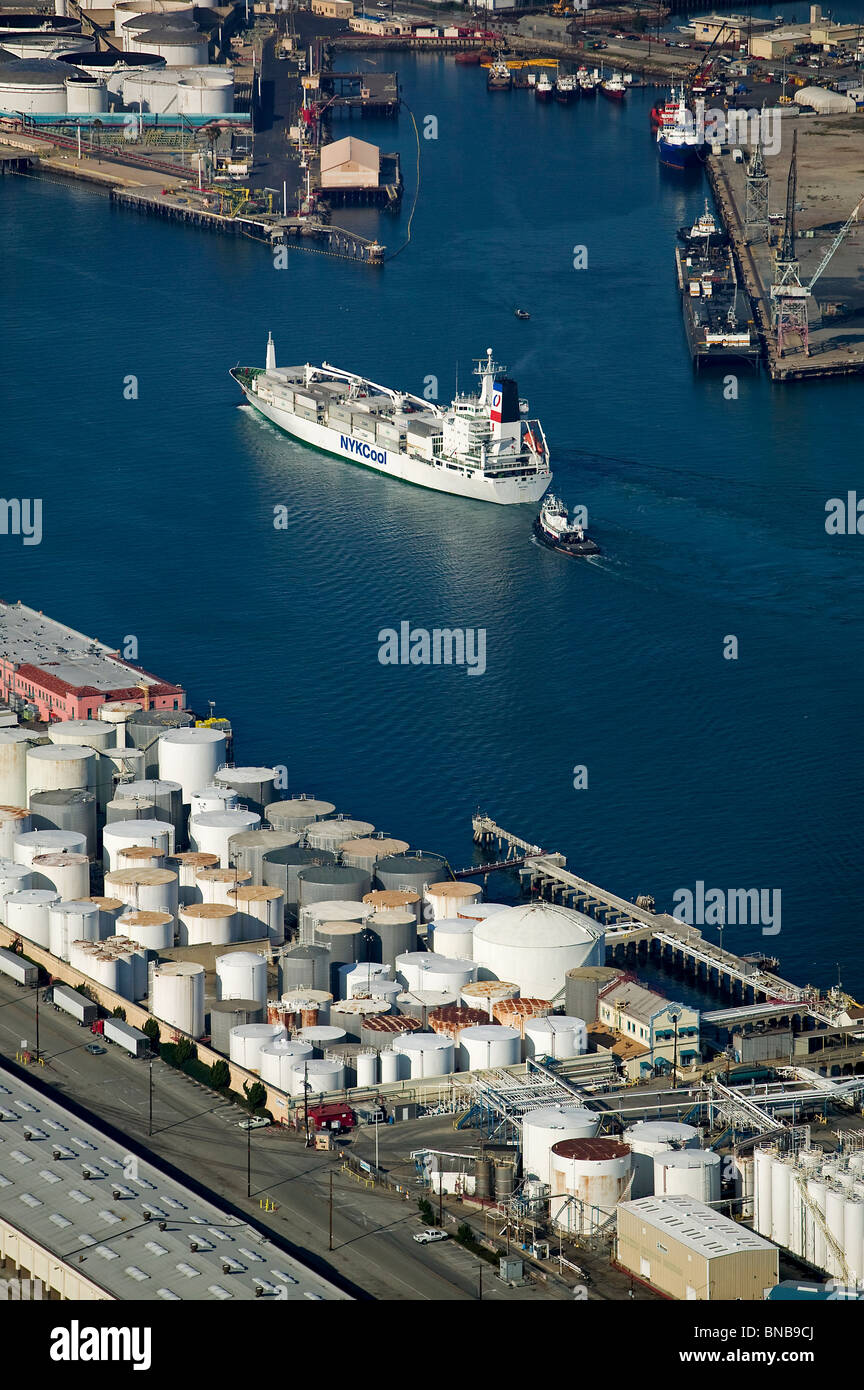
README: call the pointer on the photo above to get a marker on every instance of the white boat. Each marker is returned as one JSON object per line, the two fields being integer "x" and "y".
{"x": 554, "y": 529}
{"x": 543, "y": 89}
{"x": 480, "y": 446}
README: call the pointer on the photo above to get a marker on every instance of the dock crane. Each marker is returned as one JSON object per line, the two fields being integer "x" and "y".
{"x": 788, "y": 295}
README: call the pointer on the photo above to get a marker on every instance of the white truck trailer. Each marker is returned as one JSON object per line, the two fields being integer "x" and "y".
{"x": 136, "y": 1043}
{"x": 78, "y": 1005}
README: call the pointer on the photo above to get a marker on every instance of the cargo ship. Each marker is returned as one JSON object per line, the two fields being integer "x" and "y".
{"x": 481, "y": 446}
{"x": 718, "y": 315}
{"x": 554, "y": 529}
{"x": 614, "y": 87}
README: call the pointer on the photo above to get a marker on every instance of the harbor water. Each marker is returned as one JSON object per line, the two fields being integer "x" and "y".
{"x": 707, "y": 496}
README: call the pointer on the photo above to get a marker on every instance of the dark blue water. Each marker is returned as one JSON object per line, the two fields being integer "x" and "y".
{"x": 159, "y": 516}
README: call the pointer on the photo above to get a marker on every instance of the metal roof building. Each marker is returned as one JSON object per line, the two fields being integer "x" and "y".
{"x": 92, "y": 1223}
{"x": 687, "y": 1250}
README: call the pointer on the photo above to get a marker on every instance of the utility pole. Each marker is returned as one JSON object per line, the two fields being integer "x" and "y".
{"x": 37, "y": 1023}
{"x": 480, "y": 1295}
{"x": 249, "y": 1158}
{"x": 331, "y": 1210}
{"x": 440, "y": 1198}
{"x": 150, "y": 1102}
{"x": 306, "y": 1098}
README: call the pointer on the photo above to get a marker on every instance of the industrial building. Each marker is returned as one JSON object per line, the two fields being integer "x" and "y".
{"x": 53, "y": 672}
{"x": 684, "y": 1249}
{"x": 333, "y": 9}
{"x": 663, "y": 1026}
{"x": 722, "y": 30}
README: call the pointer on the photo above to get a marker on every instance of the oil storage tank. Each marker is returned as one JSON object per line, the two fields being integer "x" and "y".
{"x": 33, "y": 86}
{"x": 66, "y": 808}
{"x": 14, "y": 821}
{"x": 304, "y": 966}
{"x": 178, "y": 996}
{"x": 14, "y": 747}
{"x": 260, "y": 912}
{"x": 280, "y": 868}
{"x": 589, "y": 1177}
{"x": 427, "y": 970}
{"x": 349, "y": 1015}
{"x": 447, "y": 898}
{"x": 317, "y": 1077}
{"x": 52, "y": 766}
{"x": 190, "y": 756}
{"x": 186, "y": 865}
{"x": 488, "y": 1045}
{"x": 688, "y": 1173}
{"x": 32, "y": 843}
{"x": 582, "y": 987}
{"x": 365, "y": 851}
{"x": 66, "y": 872}
{"x": 26, "y": 913}
{"x": 206, "y": 94}
{"x": 151, "y": 929}
{"x": 453, "y": 936}
{"x": 345, "y": 942}
{"x": 547, "y": 1126}
{"x": 204, "y": 924}
{"x": 88, "y": 733}
{"x": 226, "y": 1014}
{"x": 322, "y": 882}
{"x": 381, "y": 1030}
{"x": 391, "y": 934}
{"x": 213, "y": 830}
{"x": 277, "y": 1061}
{"x": 555, "y": 1036}
{"x": 394, "y": 900}
{"x": 649, "y": 1138}
{"x": 297, "y": 812}
{"x": 213, "y": 798}
{"x": 535, "y": 944}
{"x": 217, "y": 885}
{"x": 247, "y": 850}
{"x": 68, "y": 922}
{"x": 485, "y": 994}
{"x": 179, "y": 46}
{"x": 122, "y": 834}
{"x": 412, "y": 872}
{"x": 427, "y": 1054}
{"x": 330, "y": 834}
{"x": 255, "y": 786}
{"x": 242, "y": 975}
{"x": 246, "y": 1042}
{"x": 167, "y": 797}
{"x": 14, "y": 878}
{"x": 150, "y": 889}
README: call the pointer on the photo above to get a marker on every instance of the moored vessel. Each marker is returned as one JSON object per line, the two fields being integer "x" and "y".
{"x": 554, "y": 529}
{"x": 680, "y": 144}
{"x": 614, "y": 87}
{"x": 499, "y": 78}
{"x": 566, "y": 89}
{"x": 480, "y": 446}
{"x": 543, "y": 88}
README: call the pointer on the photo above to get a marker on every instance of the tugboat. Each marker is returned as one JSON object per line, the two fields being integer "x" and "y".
{"x": 588, "y": 82}
{"x": 704, "y": 232}
{"x": 499, "y": 77}
{"x": 552, "y": 528}
{"x": 543, "y": 89}
{"x": 566, "y": 90}
{"x": 614, "y": 87}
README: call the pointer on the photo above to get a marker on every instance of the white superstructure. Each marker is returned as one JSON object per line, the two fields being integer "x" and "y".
{"x": 479, "y": 447}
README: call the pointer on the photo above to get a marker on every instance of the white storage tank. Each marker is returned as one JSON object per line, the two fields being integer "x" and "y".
{"x": 152, "y": 890}
{"x": 367, "y": 1068}
{"x": 428, "y": 970}
{"x": 152, "y": 930}
{"x": 216, "y": 885}
{"x": 322, "y": 1036}
{"x": 485, "y": 994}
{"x": 488, "y": 1045}
{"x": 357, "y": 978}
{"x": 178, "y": 996}
{"x": 781, "y": 1194}
{"x": 126, "y": 10}
{"x": 14, "y": 878}
{"x": 212, "y": 831}
{"x": 186, "y": 865}
{"x": 278, "y": 1059}
{"x": 14, "y": 747}
{"x": 260, "y": 912}
{"x": 26, "y": 847}
{"x": 14, "y": 821}
{"x": 33, "y": 87}
{"x": 648, "y": 1138}
{"x": 448, "y": 898}
{"x": 26, "y": 913}
{"x": 536, "y": 944}
{"x": 85, "y": 733}
{"x": 65, "y": 808}
{"x": 454, "y": 937}
{"x": 190, "y": 756}
{"x": 318, "y": 1076}
{"x": 549, "y": 1125}
{"x": 588, "y": 1177}
{"x": 688, "y": 1173}
{"x": 477, "y": 911}
{"x": 203, "y": 924}
{"x": 55, "y": 765}
{"x": 122, "y": 834}
{"x": 427, "y": 1054}
{"x": 67, "y": 873}
{"x": 853, "y": 1235}
{"x": 212, "y": 798}
{"x": 68, "y": 922}
{"x": 330, "y": 834}
{"x": 180, "y": 47}
{"x": 255, "y": 786}
{"x": 556, "y": 1036}
{"x": 387, "y": 900}
{"x": 241, "y": 975}
{"x": 247, "y": 1041}
{"x": 118, "y": 713}
{"x": 391, "y": 1065}
{"x": 167, "y": 797}
{"x": 762, "y": 1192}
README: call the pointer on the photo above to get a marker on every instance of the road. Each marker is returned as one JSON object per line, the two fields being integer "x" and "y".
{"x": 374, "y": 1254}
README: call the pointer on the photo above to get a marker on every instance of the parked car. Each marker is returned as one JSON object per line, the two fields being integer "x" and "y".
{"x": 258, "y": 1122}
{"x": 429, "y": 1237}
{"x": 95, "y": 1050}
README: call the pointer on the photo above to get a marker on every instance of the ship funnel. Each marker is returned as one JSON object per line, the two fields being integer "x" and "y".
{"x": 271, "y": 354}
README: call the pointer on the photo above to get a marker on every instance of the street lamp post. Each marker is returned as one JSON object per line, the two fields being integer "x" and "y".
{"x": 37, "y": 1022}
{"x": 249, "y": 1158}
{"x": 150, "y": 1102}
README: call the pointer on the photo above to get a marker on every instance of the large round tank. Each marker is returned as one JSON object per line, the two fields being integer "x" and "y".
{"x": 181, "y": 47}
{"x": 260, "y": 912}
{"x": 151, "y": 929}
{"x": 32, "y": 843}
{"x": 418, "y": 1003}
{"x": 453, "y": 1018}
{"x": 304, "y": 965}
{"x": 445, "y": 899}
{"x": 817, "y": 1191}
{"x": 150, "y": 889}
{"x": 299, "y": 1007}
{"x": 212, "y": 831}
{"x": 428, "y": 1054}
{"x": 140, "y": 857}
{"x": 648, "y": 1138}
{"x": 582, "y": 986}
{"x": 517, "y": 1013}
{"x": 26, "y": 913}
{"x": 476, "y": 911}
{"x": 15, "y": 821}
{"x": 297, "y": 812}
{"x": 14, "y": 878}
{"x": 203, "y": 924}
{"x": 322, "y": 1036}
{"x": 121, "y": 834}
{"x": 126, "y": 10}
{"x": 688, "y": 1173}
{"x": 555, "y": 1036}
{"x": 209, "y": 799}
{"x": 536, "y": 944}
{"x": 350, "y": 1014}
{"x": 246, "y": 1042}
{"x": 86, "y": 733}
{"x": 186, "y": 866}
{"x": 410, "y": 873}
{"x": 380, "y": 1030}
{"x": 485, "y": 994}
{"x": 394, "y": 1067}
{"x": 330, "y": 834}
{"x": 67, "y": 873}
{"x": 137, "y": 808}
{"x": 190, "y": 756}
{"x": 206, "y": 94}
{"x": 394, "y": 900}
{"x": 588, "y": 1177}
{"x": 178, "y": 996}
{"x": 72, "y": 921}
{"x": 278, "y": 1059}
{"x": 217, "y": 885}
{"x": 253, "y": 785}
{"x": 51, "y": 766}
{"x": 364, "y": 851}
{"x": 547, "y": 1126}
{"x": 14, "y": 747}
{"x": 66, "y": 808}
{"x": 226, "y": 1014}
{"x": 853, "y": 1235}
{"x": 367, "y": 1069}
{"x": 33, "y": 86}
{"x": 356, "y": 978}
{"x": 247, "y": 850}
{"x": 280, "y": 868}
{"x": 345, "y": 942}
{"x": 322, "y": 882}
{"x": 117, "y": 713}
{"x": 391, "y": 934}
{"x": 110, "y": 910}
{"x": 488, "y": 1045}
{"x": 146, "y": 727}
{"x": 242, "y": 975}
{"x": 427, "y": 970}
{"x": 453, "y": 936}
{"x": 166, "y": 796}
{"x": 835, "y": 1220}
{"x": 317, "y": 1077}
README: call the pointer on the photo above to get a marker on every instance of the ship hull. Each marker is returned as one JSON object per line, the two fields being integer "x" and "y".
{"x": 677, "y": 156}
{"x": 437, "y": 477}
{"x": 576, "y": 550}
{"x": 614, "y": 95}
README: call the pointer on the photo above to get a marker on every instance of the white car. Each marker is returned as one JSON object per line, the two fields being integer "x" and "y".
{"x": 430, "y": 1236}
{"x": 256, "y": 1123}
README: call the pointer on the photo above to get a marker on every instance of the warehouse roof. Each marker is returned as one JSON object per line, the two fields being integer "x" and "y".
{"x": 695, "y": 1225}
{"x": 638, "y": 1002}
{"x": 69, "y": 1188}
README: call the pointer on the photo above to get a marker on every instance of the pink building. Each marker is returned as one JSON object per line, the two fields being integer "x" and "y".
{"x": 59, "y": 673}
